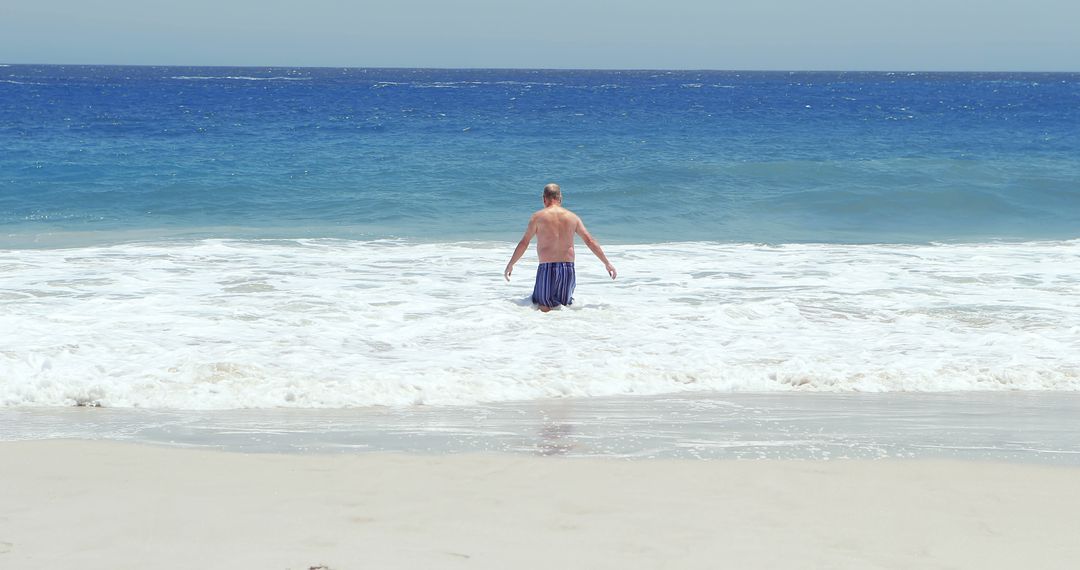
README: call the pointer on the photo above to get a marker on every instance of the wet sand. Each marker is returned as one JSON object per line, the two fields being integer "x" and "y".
{"x": 1027, "y": 427}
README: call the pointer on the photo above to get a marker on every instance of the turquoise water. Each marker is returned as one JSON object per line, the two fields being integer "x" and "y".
{"x": 644, "y": 156}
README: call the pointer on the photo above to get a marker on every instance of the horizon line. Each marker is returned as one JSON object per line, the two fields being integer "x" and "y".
{"x": 611, "y": 69}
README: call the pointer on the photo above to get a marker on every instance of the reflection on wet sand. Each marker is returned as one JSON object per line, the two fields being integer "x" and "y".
{"x": 556, "y": 432}
{"x": 1007, "y": 426}
{"x": 555, "y": 439}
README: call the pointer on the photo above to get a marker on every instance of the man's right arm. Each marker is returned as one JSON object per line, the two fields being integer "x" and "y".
{"x": 594, "y": 247}
{"x": 522, "y": 246}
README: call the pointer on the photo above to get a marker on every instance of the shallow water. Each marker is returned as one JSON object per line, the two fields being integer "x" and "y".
{"x": 339, "y": 323}
{"x": 1033, "y": 427}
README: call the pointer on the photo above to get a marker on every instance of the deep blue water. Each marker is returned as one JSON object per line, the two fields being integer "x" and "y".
{"x": 644, "y": 156}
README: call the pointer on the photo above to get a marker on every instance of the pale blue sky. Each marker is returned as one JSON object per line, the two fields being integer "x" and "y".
{"x": 1022, "y": 35}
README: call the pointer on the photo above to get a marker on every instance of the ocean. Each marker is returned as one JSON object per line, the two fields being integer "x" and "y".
{"x": 222, "y": 238}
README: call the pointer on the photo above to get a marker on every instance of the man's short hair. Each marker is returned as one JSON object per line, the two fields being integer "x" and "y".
{"x": 552, "y": 192}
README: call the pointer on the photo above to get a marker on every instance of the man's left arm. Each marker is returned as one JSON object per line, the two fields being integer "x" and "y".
{"x": 594, "y": 246}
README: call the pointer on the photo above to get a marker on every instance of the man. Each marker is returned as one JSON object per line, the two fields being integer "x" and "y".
{"x": 554, "y": 228}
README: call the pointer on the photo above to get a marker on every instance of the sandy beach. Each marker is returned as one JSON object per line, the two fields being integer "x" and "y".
{"x": 97, "y": 505}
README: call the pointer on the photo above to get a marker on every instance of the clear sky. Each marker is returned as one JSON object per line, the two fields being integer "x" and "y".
{"x": 1009, "y": 35}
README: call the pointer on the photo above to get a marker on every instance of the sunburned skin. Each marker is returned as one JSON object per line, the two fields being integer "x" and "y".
{"x": 555, "y": 228}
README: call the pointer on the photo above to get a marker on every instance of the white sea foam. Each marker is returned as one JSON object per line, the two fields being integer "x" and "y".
{"x": 456, "y": 83}
{"x": 331, "y": 323}
{"x": 459, "y": 84}
{"x": 236, "y": 78}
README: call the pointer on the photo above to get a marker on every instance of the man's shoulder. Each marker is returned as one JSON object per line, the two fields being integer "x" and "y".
{"x": 554, "y": 215}
{"x": 571, "y": 215}
{"x": 549, "y": 212}
{"x": 560, "y": 211}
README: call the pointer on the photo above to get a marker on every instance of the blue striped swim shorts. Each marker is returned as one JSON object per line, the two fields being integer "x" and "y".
{"x": 555, "y": 284}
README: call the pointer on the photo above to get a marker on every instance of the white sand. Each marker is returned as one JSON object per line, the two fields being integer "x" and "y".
{"x": 96, "y": 505}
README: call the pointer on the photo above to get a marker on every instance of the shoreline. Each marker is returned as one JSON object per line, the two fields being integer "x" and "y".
{"x": 1020, "y": 427}
{"x": 98, "y": 505}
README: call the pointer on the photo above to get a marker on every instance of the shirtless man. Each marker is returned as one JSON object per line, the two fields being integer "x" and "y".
{"x": 554, "y": 228}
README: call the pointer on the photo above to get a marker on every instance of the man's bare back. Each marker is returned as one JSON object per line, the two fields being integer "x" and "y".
{"x": 555, "y": 228}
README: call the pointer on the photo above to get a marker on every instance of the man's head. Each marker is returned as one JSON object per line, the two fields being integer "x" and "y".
{"x": 552, "y": 194}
